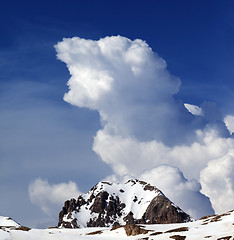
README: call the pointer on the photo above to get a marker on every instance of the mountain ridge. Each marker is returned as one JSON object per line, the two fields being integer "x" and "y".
{"x": 114, "y": 204}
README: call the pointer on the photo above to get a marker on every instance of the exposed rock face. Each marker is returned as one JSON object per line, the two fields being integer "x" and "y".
{"x": 110, "y": 204}
{"x": 162, "y": 210}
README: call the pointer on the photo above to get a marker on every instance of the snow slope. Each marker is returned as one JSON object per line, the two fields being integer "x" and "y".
{"x": 213, "y": 228}
{"x": 7, "y": 222}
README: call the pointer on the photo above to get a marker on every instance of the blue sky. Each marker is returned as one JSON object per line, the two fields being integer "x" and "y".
{"x": 42, "y": 136}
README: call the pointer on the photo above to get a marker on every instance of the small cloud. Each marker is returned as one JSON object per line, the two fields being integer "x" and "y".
{"x": 49, "y": 196}
{"x": 229, "y": 121}
{"x": 195, "y": 110}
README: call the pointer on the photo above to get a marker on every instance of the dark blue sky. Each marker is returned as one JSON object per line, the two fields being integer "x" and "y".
{"x": 42, "y": 136}
{"x": 194, "y": 37}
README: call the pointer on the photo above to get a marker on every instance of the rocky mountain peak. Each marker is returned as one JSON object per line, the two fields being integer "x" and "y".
{"x": 112, "y": 204}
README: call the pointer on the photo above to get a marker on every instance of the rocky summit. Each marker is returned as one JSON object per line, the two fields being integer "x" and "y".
{"x": 111, "y": 205}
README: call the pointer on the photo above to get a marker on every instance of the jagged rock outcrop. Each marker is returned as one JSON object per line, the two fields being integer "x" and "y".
{"x": 161, "y": 210}
{"x": 111, "y": 204}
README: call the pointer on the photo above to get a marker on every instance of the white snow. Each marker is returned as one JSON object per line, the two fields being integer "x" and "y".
{"x": 131, "y": 193}
{"x": 210, "y": 228}
{"x": 6, "y": 222}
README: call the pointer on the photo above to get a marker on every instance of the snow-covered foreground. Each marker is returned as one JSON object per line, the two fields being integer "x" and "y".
{"x": 213, "y": 227}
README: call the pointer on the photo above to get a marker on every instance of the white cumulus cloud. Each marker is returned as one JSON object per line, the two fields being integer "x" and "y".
{"x": 119, "y": 78}
{"x": 127, "y": 155}
{"x": 144, "y": 125}
{"x": 217, "y": 181}
{"x": 50, "y": 196}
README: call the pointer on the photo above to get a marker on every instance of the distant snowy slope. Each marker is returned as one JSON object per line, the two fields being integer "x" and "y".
{"x": 108, "y": 204}
{"x": 6, "y": 222}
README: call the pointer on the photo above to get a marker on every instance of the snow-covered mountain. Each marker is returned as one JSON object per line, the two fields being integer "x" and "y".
{"x": 113, "y": 204}
{"x": 108, "y": 203}
{"x": 217, "y": 227}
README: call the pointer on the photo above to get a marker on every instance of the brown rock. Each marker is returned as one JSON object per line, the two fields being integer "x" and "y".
{"x": 161, "y": 210}
{"x": 99, "y": 202}
{"x": 133, "y": 230}
{"x": 129, "y": 218}
{"x": 178, "y": 237}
